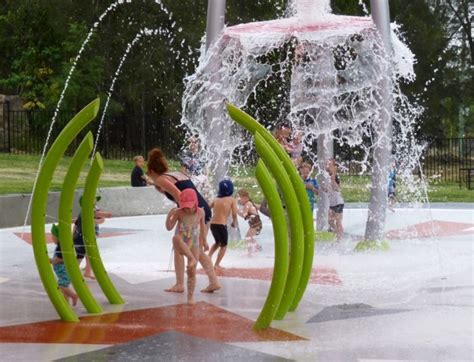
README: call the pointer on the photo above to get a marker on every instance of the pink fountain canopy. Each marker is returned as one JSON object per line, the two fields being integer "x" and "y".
{"x": 294, "y": 26}
{"x": 312, "y": 20}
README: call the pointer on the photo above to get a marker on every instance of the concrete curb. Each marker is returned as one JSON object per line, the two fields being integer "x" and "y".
{"x": 121, "y": 201}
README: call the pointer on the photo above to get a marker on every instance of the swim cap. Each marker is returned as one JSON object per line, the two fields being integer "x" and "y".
{"x": 226, "y": 188}
{"x": 188, "y": 199}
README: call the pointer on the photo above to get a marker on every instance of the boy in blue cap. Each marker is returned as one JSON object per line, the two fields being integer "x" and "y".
{"x": 224, "y": 205}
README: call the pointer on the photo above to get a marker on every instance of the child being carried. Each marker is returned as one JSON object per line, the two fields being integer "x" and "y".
{"x": 249, "y": 212}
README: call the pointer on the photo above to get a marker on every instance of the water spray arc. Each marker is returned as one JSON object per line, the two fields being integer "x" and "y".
{"x": 38, "y": 216}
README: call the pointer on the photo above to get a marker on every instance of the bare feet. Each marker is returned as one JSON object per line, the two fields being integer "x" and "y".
{"x": 191, "y": 301}
{"x": 89, "y": 276}
{"x": 175, "y": 289}
{"x": 211, "y": 288}
{"x": 74, "y": 300}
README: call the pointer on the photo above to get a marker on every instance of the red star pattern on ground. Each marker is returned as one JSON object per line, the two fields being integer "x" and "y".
{"x": 202, "y": 320}
{"x": 319, "y": 275}
{"x": 431, "y": 229}
{"x": 49, "y": 238}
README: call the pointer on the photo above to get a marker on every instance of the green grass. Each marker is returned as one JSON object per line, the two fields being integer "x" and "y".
{"x": 18, "y": 174}
{"x": 19, "y": 171}
{"x": 449, "y": 192}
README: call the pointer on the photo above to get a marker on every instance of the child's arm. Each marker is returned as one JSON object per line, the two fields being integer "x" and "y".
{"x": 202, "y": 231}
{"x": 148, "y": 180}
{"x": 102, "y": 214}
{"x": 172, "y": 219}
{"x": 234, "y": 213}
{"x": 99, "y": 220}
{"x": 55, "y": 260}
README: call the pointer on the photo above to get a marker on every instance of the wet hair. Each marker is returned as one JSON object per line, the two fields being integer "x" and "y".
{"x": 305, "y": 165}
{"x": 157, "y": 162}
{"x": 243, "y": 193}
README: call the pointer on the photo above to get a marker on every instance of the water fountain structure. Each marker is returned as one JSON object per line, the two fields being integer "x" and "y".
{"x": 344, "y": 86}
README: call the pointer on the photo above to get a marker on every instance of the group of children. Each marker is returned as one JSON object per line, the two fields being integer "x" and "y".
{"x": 191, "y": 230}
{"x": 189, "y": 218}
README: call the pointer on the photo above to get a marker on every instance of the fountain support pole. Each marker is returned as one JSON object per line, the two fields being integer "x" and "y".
{"x": 325, "y": 152}
{"x": 216, "y": 112}
{"x": 215, "y": 20}
{"x": 374, "y": 230}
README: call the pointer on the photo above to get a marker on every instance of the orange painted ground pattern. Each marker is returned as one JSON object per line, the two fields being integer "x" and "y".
{"x": 201, "y": 320}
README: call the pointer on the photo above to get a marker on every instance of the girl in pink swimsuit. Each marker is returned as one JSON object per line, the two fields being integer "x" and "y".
{"x": 190, "y": 233}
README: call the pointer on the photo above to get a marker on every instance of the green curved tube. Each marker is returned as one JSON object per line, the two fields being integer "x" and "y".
{"x": 65, "y": 220}
{"x": 280, "y": 232}
{"x": 253, "y": 126}
{"x": 38, "y": 214}
{"x": 294, "y": 216}
{"x": 88, "y": 231}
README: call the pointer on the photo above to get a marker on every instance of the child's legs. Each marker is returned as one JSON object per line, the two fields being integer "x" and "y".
{"x": 206, "y": 263}
{"x": 332, "y": 220}
{"x": 213, "y": 250}
{"x": 178, "y": 264}
{"x": 88, "y": 269}
{"x": 191, "y": 270}
{"x": 251, "y": 242}
{"x": 69, "y": 293}
{"x": 64, "y": 282}
{"x": 220, "y": 255}
{"x": 339, "y": 227}
{"x": 221, "y": 236}
{"x": 251, "y": 233}
{"x": 184, "y": 249}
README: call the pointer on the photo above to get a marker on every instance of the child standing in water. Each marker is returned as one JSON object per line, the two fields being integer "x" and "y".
{"x": 60, "y": 269}
{"x": 296, "y": 149}
{"x": 190, "y": 233}
{"x": 223, "y": 206}
{"x": 392, "y": 193}
{"x": 336, "y": 202}
{"x": 311, "y": 185}
{"x": 250, "y": 213}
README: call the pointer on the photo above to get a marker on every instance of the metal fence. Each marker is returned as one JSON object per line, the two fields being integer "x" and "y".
{"x": 24, "y": 132}
{"x": 121, "y": 137}
{"x": 451, "y": 159}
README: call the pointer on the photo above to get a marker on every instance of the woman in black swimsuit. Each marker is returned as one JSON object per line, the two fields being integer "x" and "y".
{"x": 171, "y": 184}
